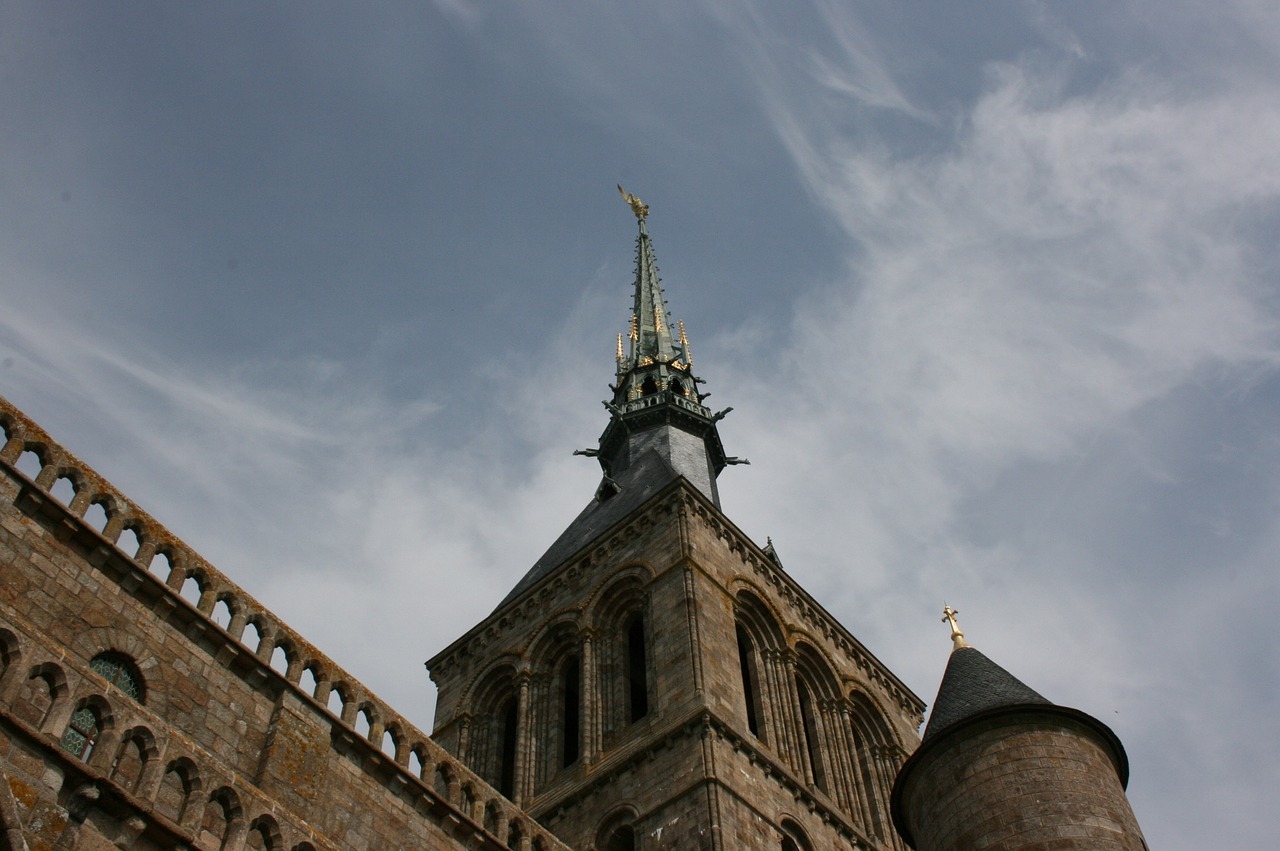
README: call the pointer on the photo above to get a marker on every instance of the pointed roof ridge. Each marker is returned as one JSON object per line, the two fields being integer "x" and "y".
{"x": 634, "y": 486}
{"x": 972, "y": 684}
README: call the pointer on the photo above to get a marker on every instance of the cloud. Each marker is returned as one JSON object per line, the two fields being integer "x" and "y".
{"x": 982, "y": 411}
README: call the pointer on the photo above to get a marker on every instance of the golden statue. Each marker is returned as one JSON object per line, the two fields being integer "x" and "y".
{"x": 638, "y": 207}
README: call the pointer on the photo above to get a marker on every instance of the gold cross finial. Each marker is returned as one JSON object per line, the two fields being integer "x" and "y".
{"x": 957, "y": 637}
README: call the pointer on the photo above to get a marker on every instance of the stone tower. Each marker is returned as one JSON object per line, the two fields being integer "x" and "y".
{"x": 657, "y": 680}
{"x": 1002, "y": 768}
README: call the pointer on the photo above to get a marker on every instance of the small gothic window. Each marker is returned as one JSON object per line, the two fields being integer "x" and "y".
{"x": 119, "y": 670}
{"x": 82, "y": 733}
{"x": 649, "y": 386}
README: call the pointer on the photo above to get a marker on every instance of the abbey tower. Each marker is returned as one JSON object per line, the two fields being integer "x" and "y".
{"x": 656, "y": 680}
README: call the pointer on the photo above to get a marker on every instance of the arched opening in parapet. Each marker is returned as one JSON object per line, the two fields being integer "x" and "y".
{"x": 222, "y": 614}
{"x": 96, "y": 516}
{"x": 648, "y": 387}
{"x": 389, "y": 745}
{"x": 29, "y": 464}
{"x": 127, "y": 543}
{"x": 63, "y": 490}
{"x": 280, "y": 658}
{"x": 192, "y": 589}
{"x": 307, "y": 682}
{"x": 160, "y": 566}
{"x": 416, "y": 763}
{"x": 250, "y": 637}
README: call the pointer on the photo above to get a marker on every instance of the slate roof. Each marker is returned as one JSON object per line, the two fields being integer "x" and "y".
{"x": 648, "y": 475}
{"x": 973, "y": 683}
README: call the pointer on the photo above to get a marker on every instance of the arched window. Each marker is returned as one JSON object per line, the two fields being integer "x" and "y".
{"x": 637, "y": 670}
{"x": 620, "y": 839}
{"x": 809, "y": 729}
{"x": 793, "y": 838}
{"x": 750, "y": 688}
{"x": 119, "y": 670}
{"x": 571, "y": 710}
{"x": 82, "y": 733}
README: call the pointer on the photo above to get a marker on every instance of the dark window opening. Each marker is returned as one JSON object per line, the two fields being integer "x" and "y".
{"x": 622, "y": 839}
{"x": 570, "y": 700}
{"x": 748, "y": 682}
{"x": 507, "y": 750}
{"x": 649, "y": 387}
{"x": 637, "y": 670}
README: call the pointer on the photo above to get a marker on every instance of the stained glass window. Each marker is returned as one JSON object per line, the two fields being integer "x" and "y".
{"x": 118, "y": 670}
{"x": 81, "y": 733}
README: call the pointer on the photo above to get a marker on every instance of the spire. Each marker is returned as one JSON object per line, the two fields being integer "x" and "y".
{"x": 657, "y": 359}
{"x": 656, "y": 402}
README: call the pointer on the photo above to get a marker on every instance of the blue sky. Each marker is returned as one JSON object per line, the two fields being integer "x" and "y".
{"x": 332, "y": 292}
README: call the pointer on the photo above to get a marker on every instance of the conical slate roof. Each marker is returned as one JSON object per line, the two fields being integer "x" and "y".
{"x": 972, "y": 684}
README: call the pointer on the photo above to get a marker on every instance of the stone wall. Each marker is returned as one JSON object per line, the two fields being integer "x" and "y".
{"x": 245, "y": 735}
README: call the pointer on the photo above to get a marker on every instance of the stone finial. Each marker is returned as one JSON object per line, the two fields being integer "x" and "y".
{"x": 957, "y": 637}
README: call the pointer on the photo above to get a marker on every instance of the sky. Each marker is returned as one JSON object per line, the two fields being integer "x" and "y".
{"x": 331, "y": 290}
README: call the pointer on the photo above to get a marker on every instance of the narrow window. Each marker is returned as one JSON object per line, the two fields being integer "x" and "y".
{"x": 570, "y": 700}
{"x": 810, "y": 732}
{"x": 748, "y": 682}
{"x": 637, "y": 670}
{"x": 82, "y": 733}
{"x": 507, "y": 750}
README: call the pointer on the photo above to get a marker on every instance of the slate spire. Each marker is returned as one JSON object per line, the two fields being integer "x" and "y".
{"x": 656, "y": 404}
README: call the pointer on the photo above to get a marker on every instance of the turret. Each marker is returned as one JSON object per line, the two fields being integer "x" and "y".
{"x": 1002, "y": 768}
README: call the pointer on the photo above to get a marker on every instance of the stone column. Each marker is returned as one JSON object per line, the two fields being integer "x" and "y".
{"x": 590, "y": 733}
{"x": 522, "y": 739}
